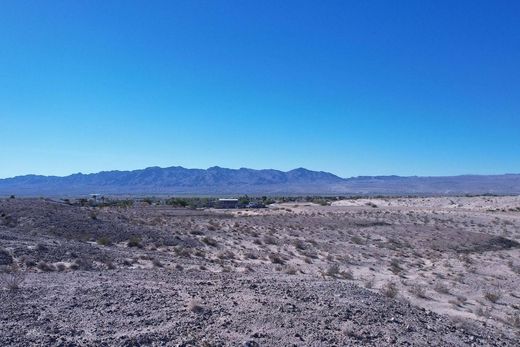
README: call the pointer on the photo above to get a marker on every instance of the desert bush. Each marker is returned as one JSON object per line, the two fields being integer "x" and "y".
{"x": 276, "y": 259}
{"x": 482, "y": 312}
{"x": 210, "y": 241}
{"x": 514, "y": 267}
{"x": 299, "y": 244}
{"x": 332, "y": 270}
{"x": 250, "y": 255}
{"x": 226, "y": 255}
{"x": 357, "y": 240}
{"x": 11, "y": 277}
{"x": 492, "y": 296}
{"x": 82, "y": 263}
{"x": 514, "y": 320}
{"x": 104, "y": 241}
{"x": 5, "y": 257}
{"x": 347, "y": 274}
{"x": 61, "y": 267}
{"x": 390, "y": 290}
{"x": 290, "y": 270}
{"x": 29, "y": 262}
{"x": 369, "y": 284}
{"x": 44, "y": 266}
{"x": 157, "y": 262}
{"x": 441, "y": 288}
{"x": 134, "y": 241}
{"x": 395, "y": 266}
{"x": 182, "y": 251}
{"x": 270, "y": 240}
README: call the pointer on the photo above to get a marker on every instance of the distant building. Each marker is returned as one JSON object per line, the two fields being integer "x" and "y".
{"x": 227, "y": 203}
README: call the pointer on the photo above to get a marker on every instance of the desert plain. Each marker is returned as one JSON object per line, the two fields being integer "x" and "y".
{"x": 414, "y": 271}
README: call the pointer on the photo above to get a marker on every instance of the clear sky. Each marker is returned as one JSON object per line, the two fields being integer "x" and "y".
{"x": 351, "y": 87}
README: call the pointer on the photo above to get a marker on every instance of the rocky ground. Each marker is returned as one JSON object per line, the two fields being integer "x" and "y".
{"x": 435, "y": 271}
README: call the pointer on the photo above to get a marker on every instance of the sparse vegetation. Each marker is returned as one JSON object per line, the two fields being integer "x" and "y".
{"x": 11, "y": 277}
{"x": 492, "y": 296}
{"x": 104, "y": 241}
{"x": 134, "y": 241}
{"x": 390, "y": 290}
{"x": 460, "y": 265}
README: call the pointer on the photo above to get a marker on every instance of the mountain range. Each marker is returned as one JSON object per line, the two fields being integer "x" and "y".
{"x": 222, "y": 181}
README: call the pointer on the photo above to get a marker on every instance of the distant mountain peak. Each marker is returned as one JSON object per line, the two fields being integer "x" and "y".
{"x": 177, "y": 180}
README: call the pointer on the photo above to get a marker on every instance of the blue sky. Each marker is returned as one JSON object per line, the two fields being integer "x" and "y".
{"x": 351, "y": 87}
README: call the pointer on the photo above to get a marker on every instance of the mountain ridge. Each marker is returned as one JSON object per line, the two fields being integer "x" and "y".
{"x": 221, "y": 181}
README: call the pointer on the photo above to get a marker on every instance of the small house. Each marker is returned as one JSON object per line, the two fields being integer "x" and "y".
{"x": 227, "y": 203}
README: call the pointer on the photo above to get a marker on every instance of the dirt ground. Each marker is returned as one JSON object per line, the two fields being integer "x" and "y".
{"x": 405, "y": 271}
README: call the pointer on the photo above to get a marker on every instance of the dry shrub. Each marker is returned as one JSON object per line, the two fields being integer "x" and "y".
{"x": 157, "y": 263}
{"x": 441, "y": 288}
{"x": 134, "y": 241}
{"x": 347, "y": 274}
{"x": 104, "y": 241}
{"x": 290, "y": 270}
{"x": 11, "y": 277}
{"x": 369, "y": 284}
{"x": 333, "y": 270}
{"x": 44, "y": 266}
{"x": 390, "y": 290}
{"x": 270, "y": 240}
{"x": 210, "y": 241}
{"x": 276, "y": 259}
{"x": 226, "y": 255}
{"x": 299, "y": 244}
{"x": 492, "y": 296}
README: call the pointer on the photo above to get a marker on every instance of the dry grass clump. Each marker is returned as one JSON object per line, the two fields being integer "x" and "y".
{"x": 134, "y": 241}
{"x": 104, "y": 241}
{"x": 276, "y": 259}
{"x": 333, "y": 270}
{"x": 210, "y": 241}
{"x": 441, "y": 288}
{"x": 514, "y": 267}
{"x": 270, "y": 240}
{"x": 482, "y": 312}
{"x": 369, "y": 284}
{"x": 390, "y": 290}
{"x": 357, "y": 240}
{"x": 226, "y": 255}
{"x": 290, "y": 270}
{"x": 11, "y": 277}
{"x": 492, "y": 296}
{"x": 514, "y": 320}
{"x": 299, "y": 244}
{"x": 45, "y": 267}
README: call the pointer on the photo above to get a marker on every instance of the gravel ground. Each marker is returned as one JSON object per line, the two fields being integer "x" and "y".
{"x": 161, "y": 308}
